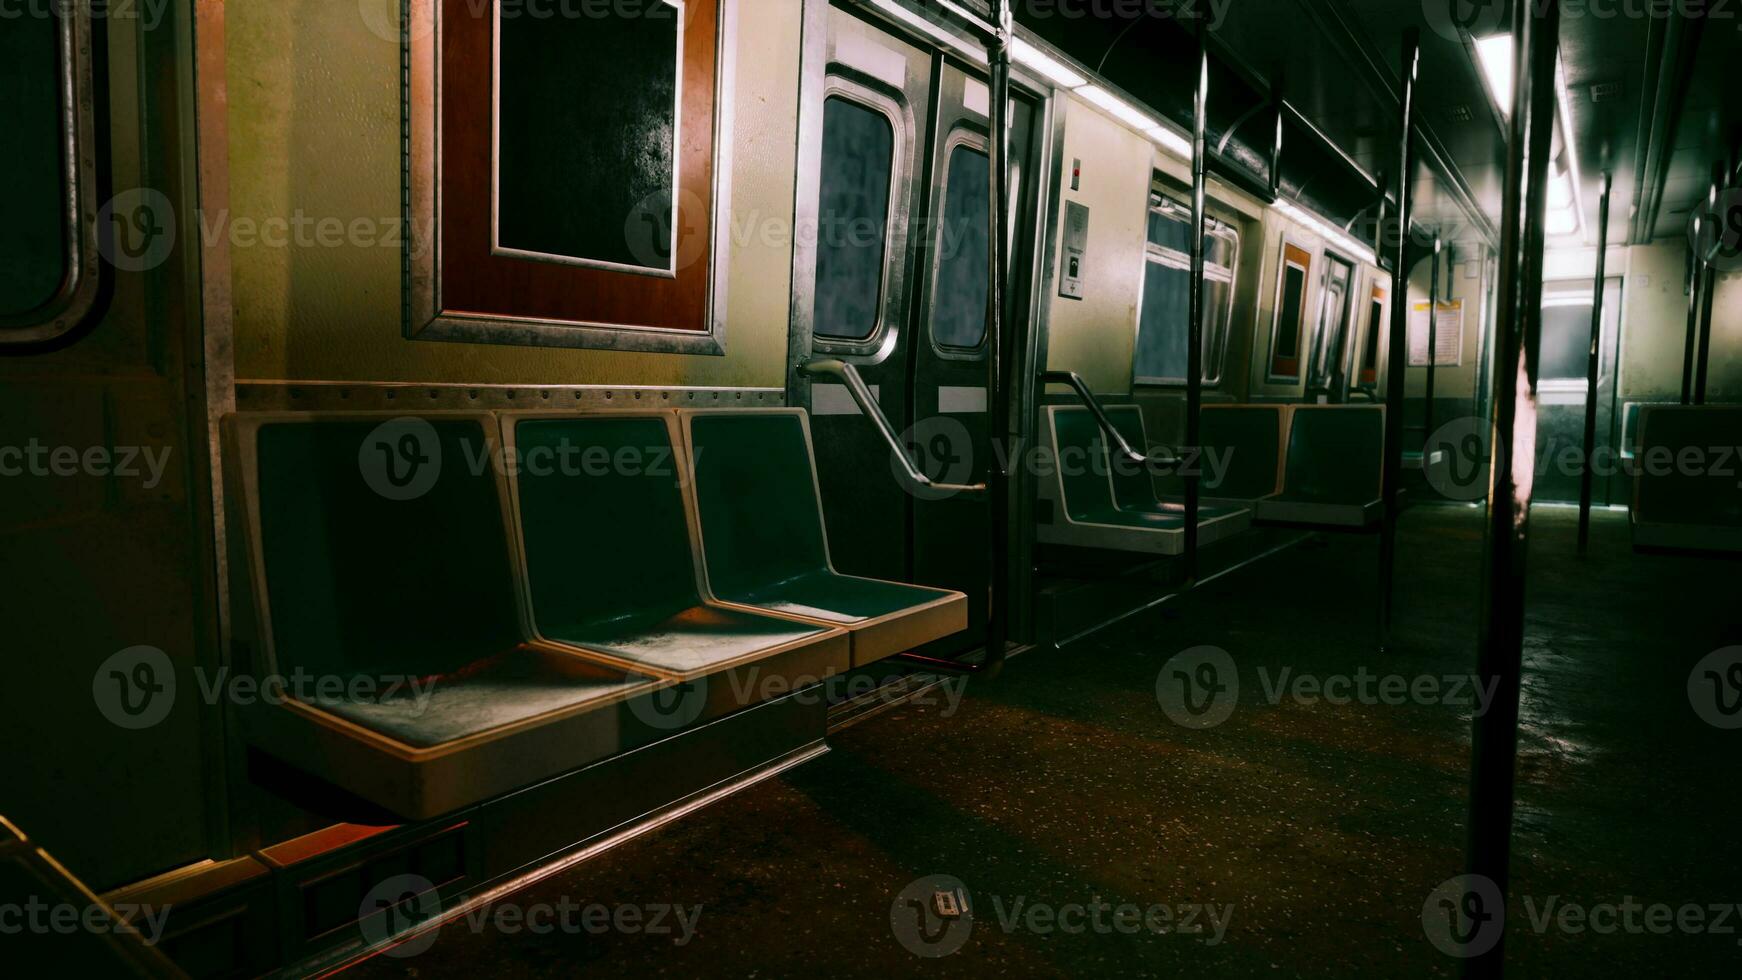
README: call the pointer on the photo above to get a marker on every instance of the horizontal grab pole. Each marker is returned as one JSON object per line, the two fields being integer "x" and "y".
{"x": 849, "y": 375}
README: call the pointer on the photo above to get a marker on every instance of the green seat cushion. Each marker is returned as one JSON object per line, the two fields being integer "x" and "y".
{"x": 608, "y": 551}
{"x": 361, "y": 584}
{"x": 502, "y": 690}
{"x": 1334, "y": 456}
{"x": 762, "y": 528}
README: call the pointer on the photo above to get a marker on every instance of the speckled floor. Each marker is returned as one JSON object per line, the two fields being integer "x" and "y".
{"x": 1313, "y": 832}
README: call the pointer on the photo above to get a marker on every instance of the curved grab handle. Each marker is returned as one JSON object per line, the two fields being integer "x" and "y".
{"x": 1076, "y": 383}
{"x": 849, "y": 375}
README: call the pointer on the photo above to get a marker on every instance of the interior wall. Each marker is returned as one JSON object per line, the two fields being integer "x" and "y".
{"x": 315, "y": 136}
{"x": 1277, "y": 228}
{"x": 1460, "y": 278}
{"x": 1095, "y": 336}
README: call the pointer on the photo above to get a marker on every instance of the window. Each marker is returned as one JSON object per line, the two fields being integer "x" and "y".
{"x": 1285, "y": 339}
{"x": 50, "y": 268}
{"x": 1369, "y": 374}
{"x": 858, "y": 166}
{"x": 1566, "y": 340}
{"x": 964, "y": 254}
{"x": 1161, "y": 353}
{"x": 564, "y": 167}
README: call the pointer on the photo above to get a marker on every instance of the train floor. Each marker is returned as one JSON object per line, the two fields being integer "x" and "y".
{"x": 1302, "y": 836}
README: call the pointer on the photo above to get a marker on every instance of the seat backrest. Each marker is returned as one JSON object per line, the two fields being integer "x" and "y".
{"x": 603, "y": 523}
{"x": 1335, "y": 454}
{"x": 1248, "y": 441}
{"x": 1082, "y": 462}
{"x": 1133, "y": 485}
{"x": 756, "y": 495}
{"x": 367, "y": 577}
{"x": 1686, "y": 465}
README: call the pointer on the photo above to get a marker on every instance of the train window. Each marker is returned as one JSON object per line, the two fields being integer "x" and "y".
{"x": 1328, "y": 345}
{"x": 1370, "y": 346}
{"x": 858, "y": 167}
{"x": 567, "y": 175}
{"x": 1161, "y": 335}
{"x": 959, "y": 297}
{"x": 1285, "y": 340}
{"x": 1566, "y": 340}
{"x": 49, "y": 263}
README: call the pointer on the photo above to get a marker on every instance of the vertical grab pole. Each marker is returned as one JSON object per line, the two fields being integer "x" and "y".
{"x": 1395, "y": 355}
{"x": 1592, "y": 363}
{"x": 1518, "y": 334}
{"x": 1709, "y": 291}
{"x": 1195, "y": 310}
{"x": 1433, "y": 338}
{"x": 998, "y": 359}
{"x": 1693, "y": 338}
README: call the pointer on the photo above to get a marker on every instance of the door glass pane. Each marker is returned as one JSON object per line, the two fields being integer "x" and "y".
{"x": 852, "y": 219}
{"x": 1288, "y": 320}
{"x": 1375, "y": 323}
{"x": 1566, "y": 341}
{"x": 33, "y": 251}
{"x": 1161, "y": 332}
{"x": 959, "y": 301}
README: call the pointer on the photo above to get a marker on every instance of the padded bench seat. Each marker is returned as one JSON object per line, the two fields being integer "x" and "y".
{"x": 1095, "y": 504}
{"x": 1676, "y": 505}
{"x": 764, "y": 545}
{"x": 1333, "y": 471}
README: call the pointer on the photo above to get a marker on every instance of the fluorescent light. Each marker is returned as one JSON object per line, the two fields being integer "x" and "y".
{"x": 1494, "y": 55}
{"x": 1562, "y": 221}
{"x": 1055, "y": 71}
{"x": 1560, "y": 190}
{"x": 1117, "y": 108}
{"x": 1568, "y": 145}
{"x": 1170, "y": 140}
{"x": 1354, "y": 249}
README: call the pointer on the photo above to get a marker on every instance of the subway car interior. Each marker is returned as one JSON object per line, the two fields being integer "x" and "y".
{"x": 759, "y": 488}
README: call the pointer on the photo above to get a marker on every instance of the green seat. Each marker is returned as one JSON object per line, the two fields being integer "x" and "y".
{"x": 1111, "y": 505}
{"x": 398, "y": 613}
{"x": 1249, "y": 437}
{"x": 765, "y": 547}
{"x": 1678, "y": 505}
{"x": 1333, "y": 470}
{"x": 608, "y": 555}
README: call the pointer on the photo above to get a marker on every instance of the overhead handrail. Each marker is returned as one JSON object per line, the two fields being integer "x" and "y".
{"x": 849, "y": 375}
{"x": 1114, "y": 438}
